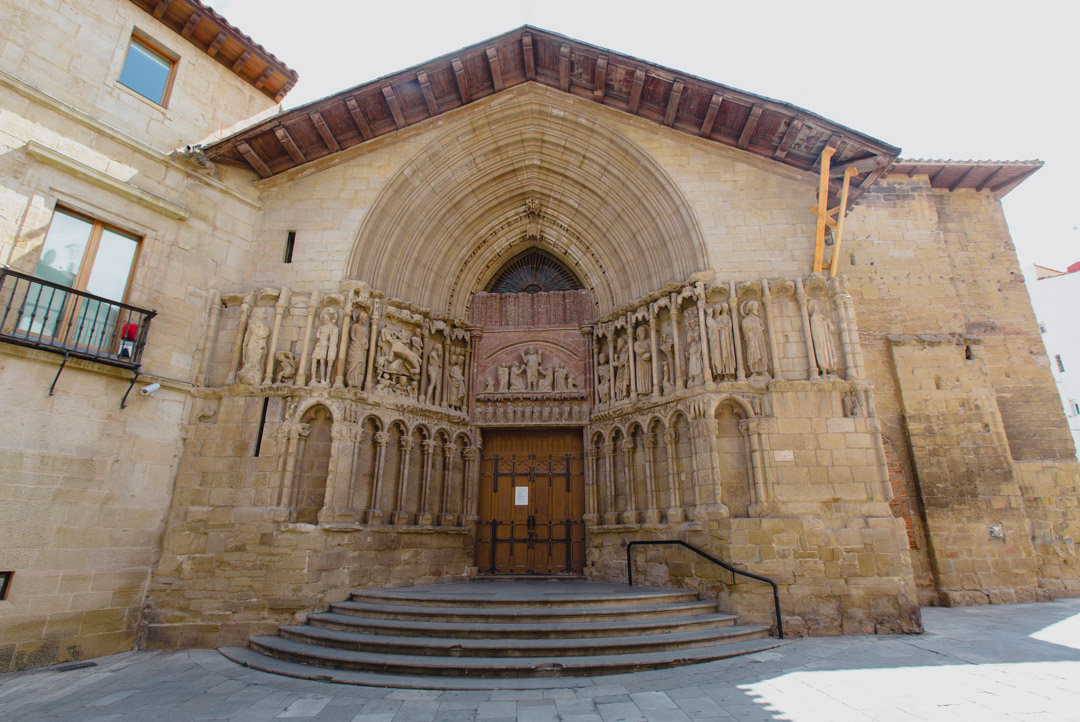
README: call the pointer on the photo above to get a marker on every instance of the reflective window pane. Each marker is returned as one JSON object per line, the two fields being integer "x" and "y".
{"x": 146, "y": 72}
{"x": 112, "y": 265}
{"x": 64, "y": 248}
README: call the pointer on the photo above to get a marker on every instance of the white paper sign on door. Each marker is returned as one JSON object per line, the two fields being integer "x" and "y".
{"x": 521, "y": 496}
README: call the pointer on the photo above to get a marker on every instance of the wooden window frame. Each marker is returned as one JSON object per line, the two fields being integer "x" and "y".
{"x": 160, "y": 51}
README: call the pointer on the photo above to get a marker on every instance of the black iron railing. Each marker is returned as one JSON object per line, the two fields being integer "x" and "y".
{"x": 44, "y": 315}
{"x": 714, "y": 560}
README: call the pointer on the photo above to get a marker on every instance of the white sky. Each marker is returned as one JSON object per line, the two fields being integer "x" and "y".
{"x": 956, "y": 79}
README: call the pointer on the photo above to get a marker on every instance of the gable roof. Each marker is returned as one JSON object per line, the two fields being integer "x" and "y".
{"x": 768, "y": 128}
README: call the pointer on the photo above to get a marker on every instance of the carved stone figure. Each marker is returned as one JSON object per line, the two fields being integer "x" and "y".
{"x": 517, "y": 377}
{"x": 721, "y": 341}
{"x": 398, "y": 361}
{"x": 532, "y": 359}
{"x": 667, "y": 354}
{"x": 560, "y": 377}
{"x": 603, "y": 378}
{"x": 455, "y": 390}
{"x": 326, "y": 348}
{"x": 753, "y": 331}
{"x": 695, "y": 373}
{"x": 821, "y": 331}
{"x": 356, "y": 355}
{"x": 852, "y": 405}
{"x": 643, "y": 361}
{"x": 621, "y": 362}
{"x": 434, "y": 375}
{"x": 286, "y": 367}
{"x": 546, "y": 381}
{"x": 489, "y": 385}
{"x": 572, "y": 382}
{"x": 504, "y": 378}
{"x": 251, "y": 370}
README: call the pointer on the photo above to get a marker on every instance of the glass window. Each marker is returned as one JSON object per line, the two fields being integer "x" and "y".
{"x": 87, "y": 255}
{"x": 146, "y": 71}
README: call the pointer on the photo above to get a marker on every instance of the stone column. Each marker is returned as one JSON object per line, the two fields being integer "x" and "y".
{"x": 676, "y": 340}
{"x": 853, "y": 330}
{"x": 375, "y": 513}
{"x": 447, "y": 517}
{"x": 770, "y": 329}
{"x": 343, "y": 346}
{"x": 587, "y": 381}
{"x": 271, "y": 349}
{"x": 469, "y": 480}
{"x": 238, "y": 346}
{"x": 631, "y": 358}
{"x": 427, "y": 450}
{"x": 611, "y": 516}
{"x": 360, "y": 440}
{"x": 702, "y": 434}
{"x": 811, "y": 361}
{"x": 652, "y": 514}
{"x": 399, "y": 515}
{"x": 441, "y": 399}
{"x": 336, "y": 508}
{"x": 210, "y": 339}
{"x": 751, "y": 430}
{"x": 703, "y": 332}
{"x": 292, "y": 432}
{"x": 376, "y": 314}
{"x": 301, "y": 371}
{"x": 675, "y": 512}
{"x": 611, "y": 369}
{"x": 736, "y": 332}
{"x": 630, "y": 514}
{"x": 592, "y": 454}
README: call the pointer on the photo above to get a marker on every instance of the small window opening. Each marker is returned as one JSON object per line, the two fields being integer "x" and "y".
{"x": 262, "y": 425}
{"x": 967, "y": 352}
{"x": 1075, "y": 408}
{"x": 5, "y": 584}
{"x": 1042, "y": 327}
{"x": 147, "y": 70}
{"x": 1061, "y": 366}
{"x": 290, "y": 243}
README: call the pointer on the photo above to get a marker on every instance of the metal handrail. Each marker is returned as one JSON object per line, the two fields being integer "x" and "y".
{"x": 714, "y": 560}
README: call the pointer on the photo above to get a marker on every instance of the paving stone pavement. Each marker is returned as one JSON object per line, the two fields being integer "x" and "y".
{"x": 1010, "y": 662}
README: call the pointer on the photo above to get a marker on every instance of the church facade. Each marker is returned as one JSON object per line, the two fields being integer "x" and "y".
{"x": 498, "y": 314}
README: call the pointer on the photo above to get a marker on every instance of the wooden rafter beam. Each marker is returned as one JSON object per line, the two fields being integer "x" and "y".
{"x": 492, "y": 54}
{"x": 215, "y": 46}
{"x": 1013, "y": 182}
{"x": 530, "y": 58}
{"x": 635, "y": 90}
{"x": 963, "y": 177}
{"x": 394, "y": 105}
{"x": 823, "y": 207}
{"x": 324, "y": 131}
{"x": 600, "y": 79}
{"x": 241, "y": 61}
{"x": 253, "y": 159}
{"x": 283, "y": 92}
{"x": 838, "y": 233}
{"x": 264, "y": 78}
{"x": 359, "y": 119}
{"x": 290, "y": 145}
{"x": 462, "y": 80}
{"x": 750, "y": 126}
{"x": 989, "y": 179}
{"x": 788, "y": 140}
{"x": 710, "y": 115}
{"x": 191, "y": 24}
{"x": 160, "y": 8}
{"x": 429, "y": 95}
{"x": 564, "y": 67}
{"x": 933, "y": 178}
{"x": 833, "y": 142}
{"x": 673, "y": 103}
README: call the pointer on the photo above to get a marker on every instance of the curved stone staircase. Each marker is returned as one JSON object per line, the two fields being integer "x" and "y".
{"x": 503, "y": 629}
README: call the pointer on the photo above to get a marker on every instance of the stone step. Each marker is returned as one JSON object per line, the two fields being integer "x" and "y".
{"x": 522, "y": 613}
{"x": 515, "y": 667}
{"x": 478, "y": 629}
{"x": 545, "y": 595}
{"x": 501, "y": 648}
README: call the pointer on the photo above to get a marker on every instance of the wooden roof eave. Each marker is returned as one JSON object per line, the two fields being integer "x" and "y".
{"x": 408, "y": 97}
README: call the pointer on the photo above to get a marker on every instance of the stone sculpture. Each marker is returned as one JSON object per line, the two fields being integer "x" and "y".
{"x": 643, "y": 361}
{"x": 356, "y": 354}
{"x": 517, "y": 377}
{"x": 504, "y": 378}
{"x": 532, "y": 359}
{"x": 621, "y": 362}
{"x": 753, "y": 331}
{"x": 695, "y": 373}
{"x": 326, "y": 348}
{"x": 398, "y": 361}
{"x": 603, "y": 378}
{"x": 455, "y": 389}
{"x": 721, "y": 341}
{"x": 434, "y": 375}
{"x": 285, "y": 362}
{"x": 821, "y": 331}
{"x": 667, "y": 354}
{"x": 251, "y": 370}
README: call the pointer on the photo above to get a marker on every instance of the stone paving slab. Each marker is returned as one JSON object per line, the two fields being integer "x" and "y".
{"x": 1009, "y": 662}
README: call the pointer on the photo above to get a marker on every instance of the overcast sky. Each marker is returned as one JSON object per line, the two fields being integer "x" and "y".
{"x": 985, "y": 80}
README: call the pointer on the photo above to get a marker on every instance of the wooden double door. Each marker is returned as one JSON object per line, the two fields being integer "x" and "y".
{"x": 532, "y": 498}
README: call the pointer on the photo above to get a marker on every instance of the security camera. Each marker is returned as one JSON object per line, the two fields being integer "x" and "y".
{"x": 149, "y": 389}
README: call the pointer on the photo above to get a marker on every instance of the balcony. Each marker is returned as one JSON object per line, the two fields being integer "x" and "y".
{"x": 43, "y": 315}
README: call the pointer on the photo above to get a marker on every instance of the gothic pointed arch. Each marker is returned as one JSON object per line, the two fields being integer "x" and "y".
{"x": 533, "y": 271}
{"x": 534, "y": 170}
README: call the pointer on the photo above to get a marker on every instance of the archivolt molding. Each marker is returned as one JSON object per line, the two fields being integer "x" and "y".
{"x": 606, "y": 208}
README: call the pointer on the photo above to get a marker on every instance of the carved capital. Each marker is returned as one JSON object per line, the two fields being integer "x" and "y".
{"x": 449, "y": 450}
{"x": 627, "y": 445}
{"x": 381, "y": 438}
{"x": 650, "y": 441}
{"x": 471, "y": 453}
{"x": 405, "y": 442}
{"x": 609, "y": 448}
{"x": 671, "y": 436}
{"x": 592, "y": 452}
{"x": 428, "y": 447}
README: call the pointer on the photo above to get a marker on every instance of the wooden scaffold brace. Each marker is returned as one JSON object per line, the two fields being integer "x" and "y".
{"x": 825, "y": 215}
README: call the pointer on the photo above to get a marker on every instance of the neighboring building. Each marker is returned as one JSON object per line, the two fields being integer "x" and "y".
{"x": 502, "y": 312}
{"x": 1055, "y": 296}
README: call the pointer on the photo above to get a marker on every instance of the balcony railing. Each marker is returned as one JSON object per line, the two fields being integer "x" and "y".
{"x": 44, "y": 315}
